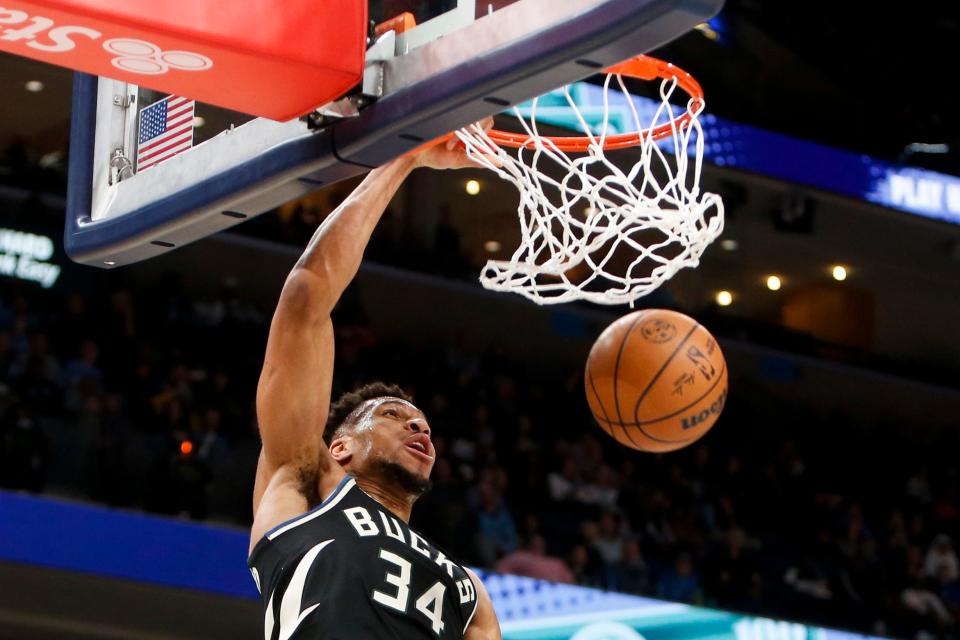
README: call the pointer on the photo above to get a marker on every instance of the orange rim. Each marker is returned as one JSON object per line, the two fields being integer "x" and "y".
{"x": 642, "y": 68}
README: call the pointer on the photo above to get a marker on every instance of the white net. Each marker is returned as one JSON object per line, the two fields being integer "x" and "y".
{"x": 598, "y": 230}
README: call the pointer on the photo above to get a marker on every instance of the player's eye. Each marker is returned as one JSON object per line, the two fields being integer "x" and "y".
{"x": 391, "y": 413}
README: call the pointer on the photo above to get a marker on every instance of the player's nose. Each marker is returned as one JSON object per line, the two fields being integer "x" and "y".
{"x": 418, "y": 425}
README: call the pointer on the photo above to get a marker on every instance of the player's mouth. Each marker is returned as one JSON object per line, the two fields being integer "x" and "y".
{"x": 419, "y": 445}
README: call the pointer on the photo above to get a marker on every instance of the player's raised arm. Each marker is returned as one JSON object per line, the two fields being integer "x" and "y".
{"x": 293, "y": 395}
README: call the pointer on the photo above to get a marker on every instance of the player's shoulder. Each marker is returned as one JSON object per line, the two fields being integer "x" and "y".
{"x": 284, "y": 505}
{"x": 483, "y": 623}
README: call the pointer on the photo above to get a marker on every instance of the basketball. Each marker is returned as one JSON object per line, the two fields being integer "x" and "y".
{"x": 656, "y": 380}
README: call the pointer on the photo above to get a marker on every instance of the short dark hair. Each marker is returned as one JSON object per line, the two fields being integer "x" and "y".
{"x": 343, "y": 412}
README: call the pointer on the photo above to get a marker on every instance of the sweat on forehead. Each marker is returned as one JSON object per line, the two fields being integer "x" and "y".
{"x": 374, "y": 403}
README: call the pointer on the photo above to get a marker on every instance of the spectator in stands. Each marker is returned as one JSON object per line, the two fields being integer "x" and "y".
{"x": 681, "y": 582}
{"x": 532, "y": 561}
{"x": 46, "y": 365}
{"x": 496, "y": 531}
{"x": 7, "y": 358}
{"x": 585, "y": 569}
{"x": 23, "y": 450}
{"x": 728, "y": 569}
{"x": 83, "y": 376}
{"x": 949, "y": 593}
{"x": 565, "y": 484}
{"x": 776, "y": 525}
{"x": 601, "y": 490}
{"x": 609, "y": 539}
{"x": 35, "y": 386}
{"x": 926, "y": 607}
{"x": 188, "y": 477}
{"x": 633, "y": 573}
{"x": 941, "y": 561}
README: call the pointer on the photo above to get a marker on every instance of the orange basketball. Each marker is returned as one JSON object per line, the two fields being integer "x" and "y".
{"x": 656, "y": 380}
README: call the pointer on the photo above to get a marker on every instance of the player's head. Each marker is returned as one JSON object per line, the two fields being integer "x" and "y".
{"x": 376, "y": 431}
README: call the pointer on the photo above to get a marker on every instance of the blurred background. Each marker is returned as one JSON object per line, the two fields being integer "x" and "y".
{"x": 826, "y": 495}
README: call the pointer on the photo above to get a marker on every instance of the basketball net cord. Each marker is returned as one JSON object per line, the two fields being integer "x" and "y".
{"x": 652, "y": 216}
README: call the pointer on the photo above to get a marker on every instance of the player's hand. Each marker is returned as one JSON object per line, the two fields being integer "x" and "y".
{"x": 447, "y": 153}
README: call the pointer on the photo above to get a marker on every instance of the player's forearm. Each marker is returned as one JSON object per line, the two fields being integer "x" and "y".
{"x": 336, "y": 249}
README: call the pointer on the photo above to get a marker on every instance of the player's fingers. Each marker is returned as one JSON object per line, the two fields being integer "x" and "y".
{"x": 483, "y": 159}
{"x": 432, "y": 144}
{"x": 494, "y": 159}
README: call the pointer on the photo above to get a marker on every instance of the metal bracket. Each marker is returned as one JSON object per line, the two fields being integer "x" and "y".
{"x": 333, "y": 112}
{"x": 381, "y": 51}
{"x": 366, "y": 94}
{"x": 431, "y": 30}
{"x": 120, "y": 167}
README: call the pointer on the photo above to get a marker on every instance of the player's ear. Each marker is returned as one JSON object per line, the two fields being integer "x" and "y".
{"x": 341, "y": 449}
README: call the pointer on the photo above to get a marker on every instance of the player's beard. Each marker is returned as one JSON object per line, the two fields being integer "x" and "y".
{"x": 398, "y": 474}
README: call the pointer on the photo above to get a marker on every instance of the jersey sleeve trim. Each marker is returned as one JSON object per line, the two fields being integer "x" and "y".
{"x": 476, "y": 604}
{"x": 332, "y": 500}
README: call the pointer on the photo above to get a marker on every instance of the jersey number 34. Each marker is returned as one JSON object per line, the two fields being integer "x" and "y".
{"x": 429, "y": 603}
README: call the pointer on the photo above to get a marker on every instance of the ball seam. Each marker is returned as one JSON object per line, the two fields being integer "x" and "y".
{"x": 653, "y": 381}
{"x": 596, "y": 394}
{"x": 662, "y": 368}
{"x": 616, "y": 373}
{"x": 687, "y": 406}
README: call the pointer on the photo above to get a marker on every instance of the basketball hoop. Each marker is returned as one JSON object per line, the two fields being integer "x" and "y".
{"x": 591, "y": 230}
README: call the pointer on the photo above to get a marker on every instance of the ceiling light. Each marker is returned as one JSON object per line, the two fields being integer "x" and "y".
{"x": 473, "y": 187}
{"x": 724, "y": 298}
{"x": 33, "y": 86}
{"x": 774, "y": 283}
{"x": 707, "y": 31}
{"x": 926, "y": 147}
{"x": 491, "y": 246}
{"x": 839, "y": 273}
{"x": 51, "y": 159}
{"x": 729, "y": 244}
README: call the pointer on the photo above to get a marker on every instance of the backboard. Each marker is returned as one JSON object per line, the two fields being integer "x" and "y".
{"x": 463, "y": 61}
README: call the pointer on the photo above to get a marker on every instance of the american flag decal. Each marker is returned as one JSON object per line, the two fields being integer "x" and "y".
{"x": 165, "y": 129}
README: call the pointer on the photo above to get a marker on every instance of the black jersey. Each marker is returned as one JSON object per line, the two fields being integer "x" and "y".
{"x": 350, "y": 570}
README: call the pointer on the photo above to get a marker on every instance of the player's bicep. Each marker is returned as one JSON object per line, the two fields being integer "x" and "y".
{"x": 293, "y": 395}
{"x": 484, "y": 625}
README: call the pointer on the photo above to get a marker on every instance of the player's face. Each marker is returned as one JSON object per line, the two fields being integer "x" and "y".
{"x": 396, "y": 431}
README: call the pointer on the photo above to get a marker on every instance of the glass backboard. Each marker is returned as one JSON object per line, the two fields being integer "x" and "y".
{"x": 462, "y": 61}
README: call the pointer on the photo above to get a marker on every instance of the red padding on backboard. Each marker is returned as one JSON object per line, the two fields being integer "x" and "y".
{"x": 262, "y": 57}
